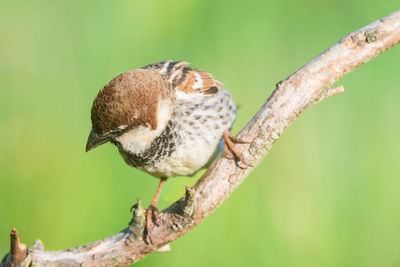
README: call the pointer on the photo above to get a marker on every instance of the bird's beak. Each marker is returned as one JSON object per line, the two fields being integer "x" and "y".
{"x": 95, "y": 140}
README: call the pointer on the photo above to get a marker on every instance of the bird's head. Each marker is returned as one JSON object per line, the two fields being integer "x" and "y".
{"x": 131, "y": 110}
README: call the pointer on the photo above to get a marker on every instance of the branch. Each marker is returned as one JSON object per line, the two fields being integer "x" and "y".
{"x": 307, "y": 86}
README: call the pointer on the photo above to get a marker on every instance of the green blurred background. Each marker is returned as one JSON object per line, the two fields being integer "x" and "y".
{"x": 326, "y": 195}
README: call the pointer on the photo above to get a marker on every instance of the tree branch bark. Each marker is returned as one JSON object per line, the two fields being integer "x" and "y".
{"x": 307, "y": 86}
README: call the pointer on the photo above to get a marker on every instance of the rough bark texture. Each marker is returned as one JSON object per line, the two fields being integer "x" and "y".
{"x": 307, "y": 86}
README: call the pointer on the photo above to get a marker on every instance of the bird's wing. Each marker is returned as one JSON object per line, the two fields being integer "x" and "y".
{"x": 187, "y": 79}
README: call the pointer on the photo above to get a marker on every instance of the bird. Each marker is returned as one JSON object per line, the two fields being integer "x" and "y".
{"x": 166, "y": 119}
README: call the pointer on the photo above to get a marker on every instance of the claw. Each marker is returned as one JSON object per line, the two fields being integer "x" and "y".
{"x": 152, "y": 217}
{"x": 231, "y": 151}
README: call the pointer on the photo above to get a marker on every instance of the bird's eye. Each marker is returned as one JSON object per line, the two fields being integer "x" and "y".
{"x": 116, "y": 133}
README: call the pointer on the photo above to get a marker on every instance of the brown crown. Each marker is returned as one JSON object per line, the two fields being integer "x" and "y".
{"x": 130, "y": 99}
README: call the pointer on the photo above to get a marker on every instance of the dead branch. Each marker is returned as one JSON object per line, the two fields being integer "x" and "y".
{"x": 307, "y": 86}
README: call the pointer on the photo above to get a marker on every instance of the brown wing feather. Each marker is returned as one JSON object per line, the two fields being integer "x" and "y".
{"x": 187, "y": 79}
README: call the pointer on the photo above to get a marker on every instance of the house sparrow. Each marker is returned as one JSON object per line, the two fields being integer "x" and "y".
{"x": 166, "y": 119}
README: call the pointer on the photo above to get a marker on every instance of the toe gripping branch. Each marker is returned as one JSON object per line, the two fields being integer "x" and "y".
{"x": 231, "y": 150}
{"x": 183, "y": 216}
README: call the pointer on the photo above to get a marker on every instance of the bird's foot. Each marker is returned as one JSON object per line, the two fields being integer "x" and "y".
{"x": 151, "y": 218}
{"x": 152, "y": 211}
{"x": 231, "y": 150}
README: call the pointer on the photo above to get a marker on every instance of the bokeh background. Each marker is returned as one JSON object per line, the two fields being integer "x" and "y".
{"x": 328, "y": 194}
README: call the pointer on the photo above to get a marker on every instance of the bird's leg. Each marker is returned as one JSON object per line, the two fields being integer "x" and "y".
{"x": 230, "y": 148}
{"x": 152, "y": 211}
